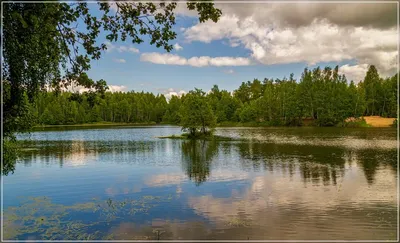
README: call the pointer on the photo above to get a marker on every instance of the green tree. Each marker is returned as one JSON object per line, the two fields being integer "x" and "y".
{"x": 172, "y": 112}
{"x": 196, "y": 113}
{"x": 372, "y": 89}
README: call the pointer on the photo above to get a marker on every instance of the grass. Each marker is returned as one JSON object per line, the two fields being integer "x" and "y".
{"x": 360, "y": 122}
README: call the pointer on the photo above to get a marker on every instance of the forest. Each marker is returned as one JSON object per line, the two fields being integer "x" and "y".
{"x": 321, "y": 95}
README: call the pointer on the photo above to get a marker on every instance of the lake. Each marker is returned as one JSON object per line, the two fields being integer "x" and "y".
{"x": 124, "y": 183}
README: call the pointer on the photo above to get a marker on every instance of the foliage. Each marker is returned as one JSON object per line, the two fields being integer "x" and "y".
{"x": 89, "y": 107}
{"x": 196, "y": 114}
{"x": 10, "y": 153}
{"x": 172, "y": 111}
{"x": 360, "y": 122}
{"x": 380, "y": 94}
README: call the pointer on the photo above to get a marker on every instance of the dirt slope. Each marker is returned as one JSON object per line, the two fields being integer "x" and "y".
{"x": 377, "y": 121}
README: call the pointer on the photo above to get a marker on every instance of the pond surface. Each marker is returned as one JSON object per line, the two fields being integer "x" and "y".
{"x": 278, "y": 184}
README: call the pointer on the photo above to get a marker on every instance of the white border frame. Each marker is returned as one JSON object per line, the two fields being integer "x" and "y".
{"x": 216, "y": 1}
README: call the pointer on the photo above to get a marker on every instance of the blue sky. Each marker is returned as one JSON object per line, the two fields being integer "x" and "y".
{"x": 264, "y": 51}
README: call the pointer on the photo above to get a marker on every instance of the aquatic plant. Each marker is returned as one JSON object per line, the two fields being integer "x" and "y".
{"x": 39, "y": 218}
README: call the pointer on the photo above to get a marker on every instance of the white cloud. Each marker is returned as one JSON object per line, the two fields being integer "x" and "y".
{"x": 80, "y": 89}
{"x": 120, "y": 49}
{"x": 229, "y": 71}
{"x": 321, "y": 41}
{"x": 280, "y": 33}
{"x": 127, "y": 49}
{"x": 110, "y": 46}
{"x": 178, "y": 47}
{"x": 182, "y": 10}
{"x": 166, "y": 58}
{"x": 172, "y": 59}
{"x": 111, "y": 88}
{"x": 172, "y": 92}
{"x": 117, "y": 88}
{"x": 355, "y": 72}
{"x": 119, "y": 60}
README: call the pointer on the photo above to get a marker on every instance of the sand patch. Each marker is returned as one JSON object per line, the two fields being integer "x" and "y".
{"x": 377, "y": 121}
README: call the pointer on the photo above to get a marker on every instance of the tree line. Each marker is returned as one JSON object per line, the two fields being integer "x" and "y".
{"x": 321, "y": 95}
{"x": 74, "y": 108}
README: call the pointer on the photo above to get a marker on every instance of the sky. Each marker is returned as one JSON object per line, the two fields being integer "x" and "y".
{"x": 258, "y": 40}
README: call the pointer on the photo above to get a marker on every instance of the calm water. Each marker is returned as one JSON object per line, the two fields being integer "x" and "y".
{"x": 277, "y": 184}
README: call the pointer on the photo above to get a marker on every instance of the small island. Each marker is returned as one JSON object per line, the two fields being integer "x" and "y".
{"x": 197, "y": 118}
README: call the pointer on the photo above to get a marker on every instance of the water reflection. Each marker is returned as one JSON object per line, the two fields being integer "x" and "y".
{"x": 219, "y": 190}
{"x": 197, "y": 156}
{"x": 315, "y": 164}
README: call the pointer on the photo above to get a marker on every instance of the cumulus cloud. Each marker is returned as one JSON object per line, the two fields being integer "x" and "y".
{"x": 172, "y": 59}
{"x": 127, "y": 49}
{"x": 280, "y": 33}
{"x": 178, "y": 47}
{"x": 377, "y": 15}
{"x": 367, "y": 14}
{"x": 168, "y": 93}
{"x": 117, "y": 88}
{"x": 111, "y": 47}
{"x": 321, "y": 41}
{"x": 354, "y": 72}
{"x": 80, "y": 89}
{"x": 119, "y": 60}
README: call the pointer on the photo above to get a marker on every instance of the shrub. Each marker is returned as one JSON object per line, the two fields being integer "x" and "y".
{"x": 356, "y": 122}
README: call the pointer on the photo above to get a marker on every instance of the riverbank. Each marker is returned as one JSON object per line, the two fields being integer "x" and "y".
{"x": 371, "y": 121}
{"x": 378, "y": 121}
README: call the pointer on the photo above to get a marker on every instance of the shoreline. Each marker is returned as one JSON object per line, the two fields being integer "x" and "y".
{"x": 88, "y": 125}
{"x": 371, "y": 121}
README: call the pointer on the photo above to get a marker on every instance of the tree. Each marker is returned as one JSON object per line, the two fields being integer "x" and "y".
{"x": 247, "y": 113}
{"x": 196, "y": 114}
{"x": 243, "y": 93}
{"x": 372, "y": 89}
{"x": 172, "y": 113}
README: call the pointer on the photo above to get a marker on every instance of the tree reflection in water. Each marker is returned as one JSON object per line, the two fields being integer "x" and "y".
{"x": 196, "y": 159}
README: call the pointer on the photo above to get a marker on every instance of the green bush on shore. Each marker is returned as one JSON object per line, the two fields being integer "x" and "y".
{"x": 358, "y": 122}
